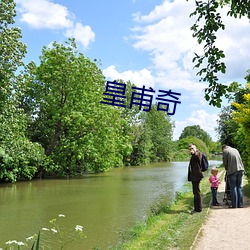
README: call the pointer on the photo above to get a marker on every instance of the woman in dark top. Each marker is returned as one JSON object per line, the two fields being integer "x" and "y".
{"x": 195, "y": 175}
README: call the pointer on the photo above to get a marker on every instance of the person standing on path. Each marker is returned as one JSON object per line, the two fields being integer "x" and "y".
{"x": 195, "y": 175}
{"x": 235, "y": 169}
{"x": 214, "y": 186}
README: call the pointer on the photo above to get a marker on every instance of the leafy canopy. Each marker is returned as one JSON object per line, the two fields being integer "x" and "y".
{"x": 20, "y": 158}
{"x": 205, "y": 28}
{"x": 196, "y": 131}
{"x": 201, "y": 146}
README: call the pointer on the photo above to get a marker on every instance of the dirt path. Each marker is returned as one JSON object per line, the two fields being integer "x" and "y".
{"x": 225, "y": 228}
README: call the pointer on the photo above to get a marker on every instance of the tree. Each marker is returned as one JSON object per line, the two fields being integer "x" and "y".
{"x": 151, "y": 137}
{"x": 208, "y": 23}
{"x": 233, "y": 126}
{"x": 19, "y": 158}
{"x": 12, "y": 50}
{"x": 241, "y": 116}
{"x": 78, "y": 132}
{"x": 131, "y": 129}
{"x": 196, "y": 131}
{"x": 161, "y": 132}
{"x": 227, "y": 127}
{"x": 141, "y": 144}
{"x": 215, "y": 147}
{"x": 183, "y": 144}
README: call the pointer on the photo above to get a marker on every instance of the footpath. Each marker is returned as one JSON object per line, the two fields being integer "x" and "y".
{"x": 225, "y": 228}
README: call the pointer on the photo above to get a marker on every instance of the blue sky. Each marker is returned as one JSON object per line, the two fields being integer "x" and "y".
{"x": 148, "y": 42}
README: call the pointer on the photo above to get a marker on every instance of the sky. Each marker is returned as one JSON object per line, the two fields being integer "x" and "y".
{"x": 147, "y": 42}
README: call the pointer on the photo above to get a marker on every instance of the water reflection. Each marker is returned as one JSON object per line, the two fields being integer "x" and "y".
{"x": 105, "y": 204}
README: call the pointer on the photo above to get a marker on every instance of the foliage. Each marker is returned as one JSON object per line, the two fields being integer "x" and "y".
{"x": 215, "y": 147}
{"x": 205, "y": 28}
{"x": 78, "y": 132}
{"x": 180, "y": 155}
{"x": 242, "y": 116}
{"x": 232, "y": 124}
{"x": 20, "y": 158}
{"x": 201, "y": 146}
{"x": 196, "y": 131}
{"x": 227, "y": 127}
{"x": 160, "y": 127}
{"x": 12, "y": 50}
{"x": 131, "y": 131}
{"x": 152, "y": 137}
{"x": 141, "y": 145}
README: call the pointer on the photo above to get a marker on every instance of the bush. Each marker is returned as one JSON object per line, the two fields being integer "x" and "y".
{"x": 20, "y": 159}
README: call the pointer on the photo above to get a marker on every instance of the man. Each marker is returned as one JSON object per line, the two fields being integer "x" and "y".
{"x": 195, "y": 175}
{"x": 235, "y": 170}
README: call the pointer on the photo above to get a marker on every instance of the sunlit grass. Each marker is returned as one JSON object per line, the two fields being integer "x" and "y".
{"x": 170, "y": 226}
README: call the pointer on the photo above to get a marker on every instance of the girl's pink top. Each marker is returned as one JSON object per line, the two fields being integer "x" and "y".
{"x": 214, "y": 181}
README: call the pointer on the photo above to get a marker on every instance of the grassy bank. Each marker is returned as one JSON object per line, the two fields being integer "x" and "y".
{"x": 170, "y": 227}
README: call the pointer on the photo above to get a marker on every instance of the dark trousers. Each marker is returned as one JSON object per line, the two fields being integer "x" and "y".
{"x": 235, "y": 182}
{"x": 214, "y": 196}
{"x": 197, "y": 196}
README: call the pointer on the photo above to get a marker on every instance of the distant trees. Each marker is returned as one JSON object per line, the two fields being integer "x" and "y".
{"x": 203, "y": 141}
{"x": 183, "y": 144}
{"x": 227, "y": 127}
{"x": 196, "y": 131}
{"x": 152, "y": 137}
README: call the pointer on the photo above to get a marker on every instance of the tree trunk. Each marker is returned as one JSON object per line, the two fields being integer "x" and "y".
{"x": 56, "y": 139}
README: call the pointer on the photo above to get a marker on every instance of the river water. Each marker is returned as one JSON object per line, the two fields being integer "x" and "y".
{"x": 104, "y": 204}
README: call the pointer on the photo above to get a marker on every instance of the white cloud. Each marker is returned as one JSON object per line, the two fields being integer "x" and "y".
{"x": 139, "y": 78}
{"x": 44, "y": 14}
{"x": 208, "y": 122}
{"x": 159, "y": 12}
{"x": 167, "y": 36}
{"x": 234, "y": 41}
{"x": 176, "y": 79}
{"x": 83, "y": 34}
{"x": 165, "y": 33}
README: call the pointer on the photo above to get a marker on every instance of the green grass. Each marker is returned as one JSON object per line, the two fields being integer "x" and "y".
{"x": 246, "y": 188}
{"x": 170, "y": 226}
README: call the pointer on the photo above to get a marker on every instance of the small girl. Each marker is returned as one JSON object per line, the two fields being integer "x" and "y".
{"x": 214, "y": 185}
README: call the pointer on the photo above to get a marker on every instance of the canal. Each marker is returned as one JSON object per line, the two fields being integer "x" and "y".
{"x": 105, "y": 204}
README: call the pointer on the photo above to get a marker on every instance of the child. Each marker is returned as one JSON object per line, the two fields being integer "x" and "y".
{"x": 214, "y": 185}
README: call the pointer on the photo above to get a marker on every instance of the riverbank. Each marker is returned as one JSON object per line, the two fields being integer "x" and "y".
{"x": 171, "y": 227}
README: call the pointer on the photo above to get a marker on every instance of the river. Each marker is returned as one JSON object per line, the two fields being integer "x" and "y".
{"x": 105, "y": 204}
